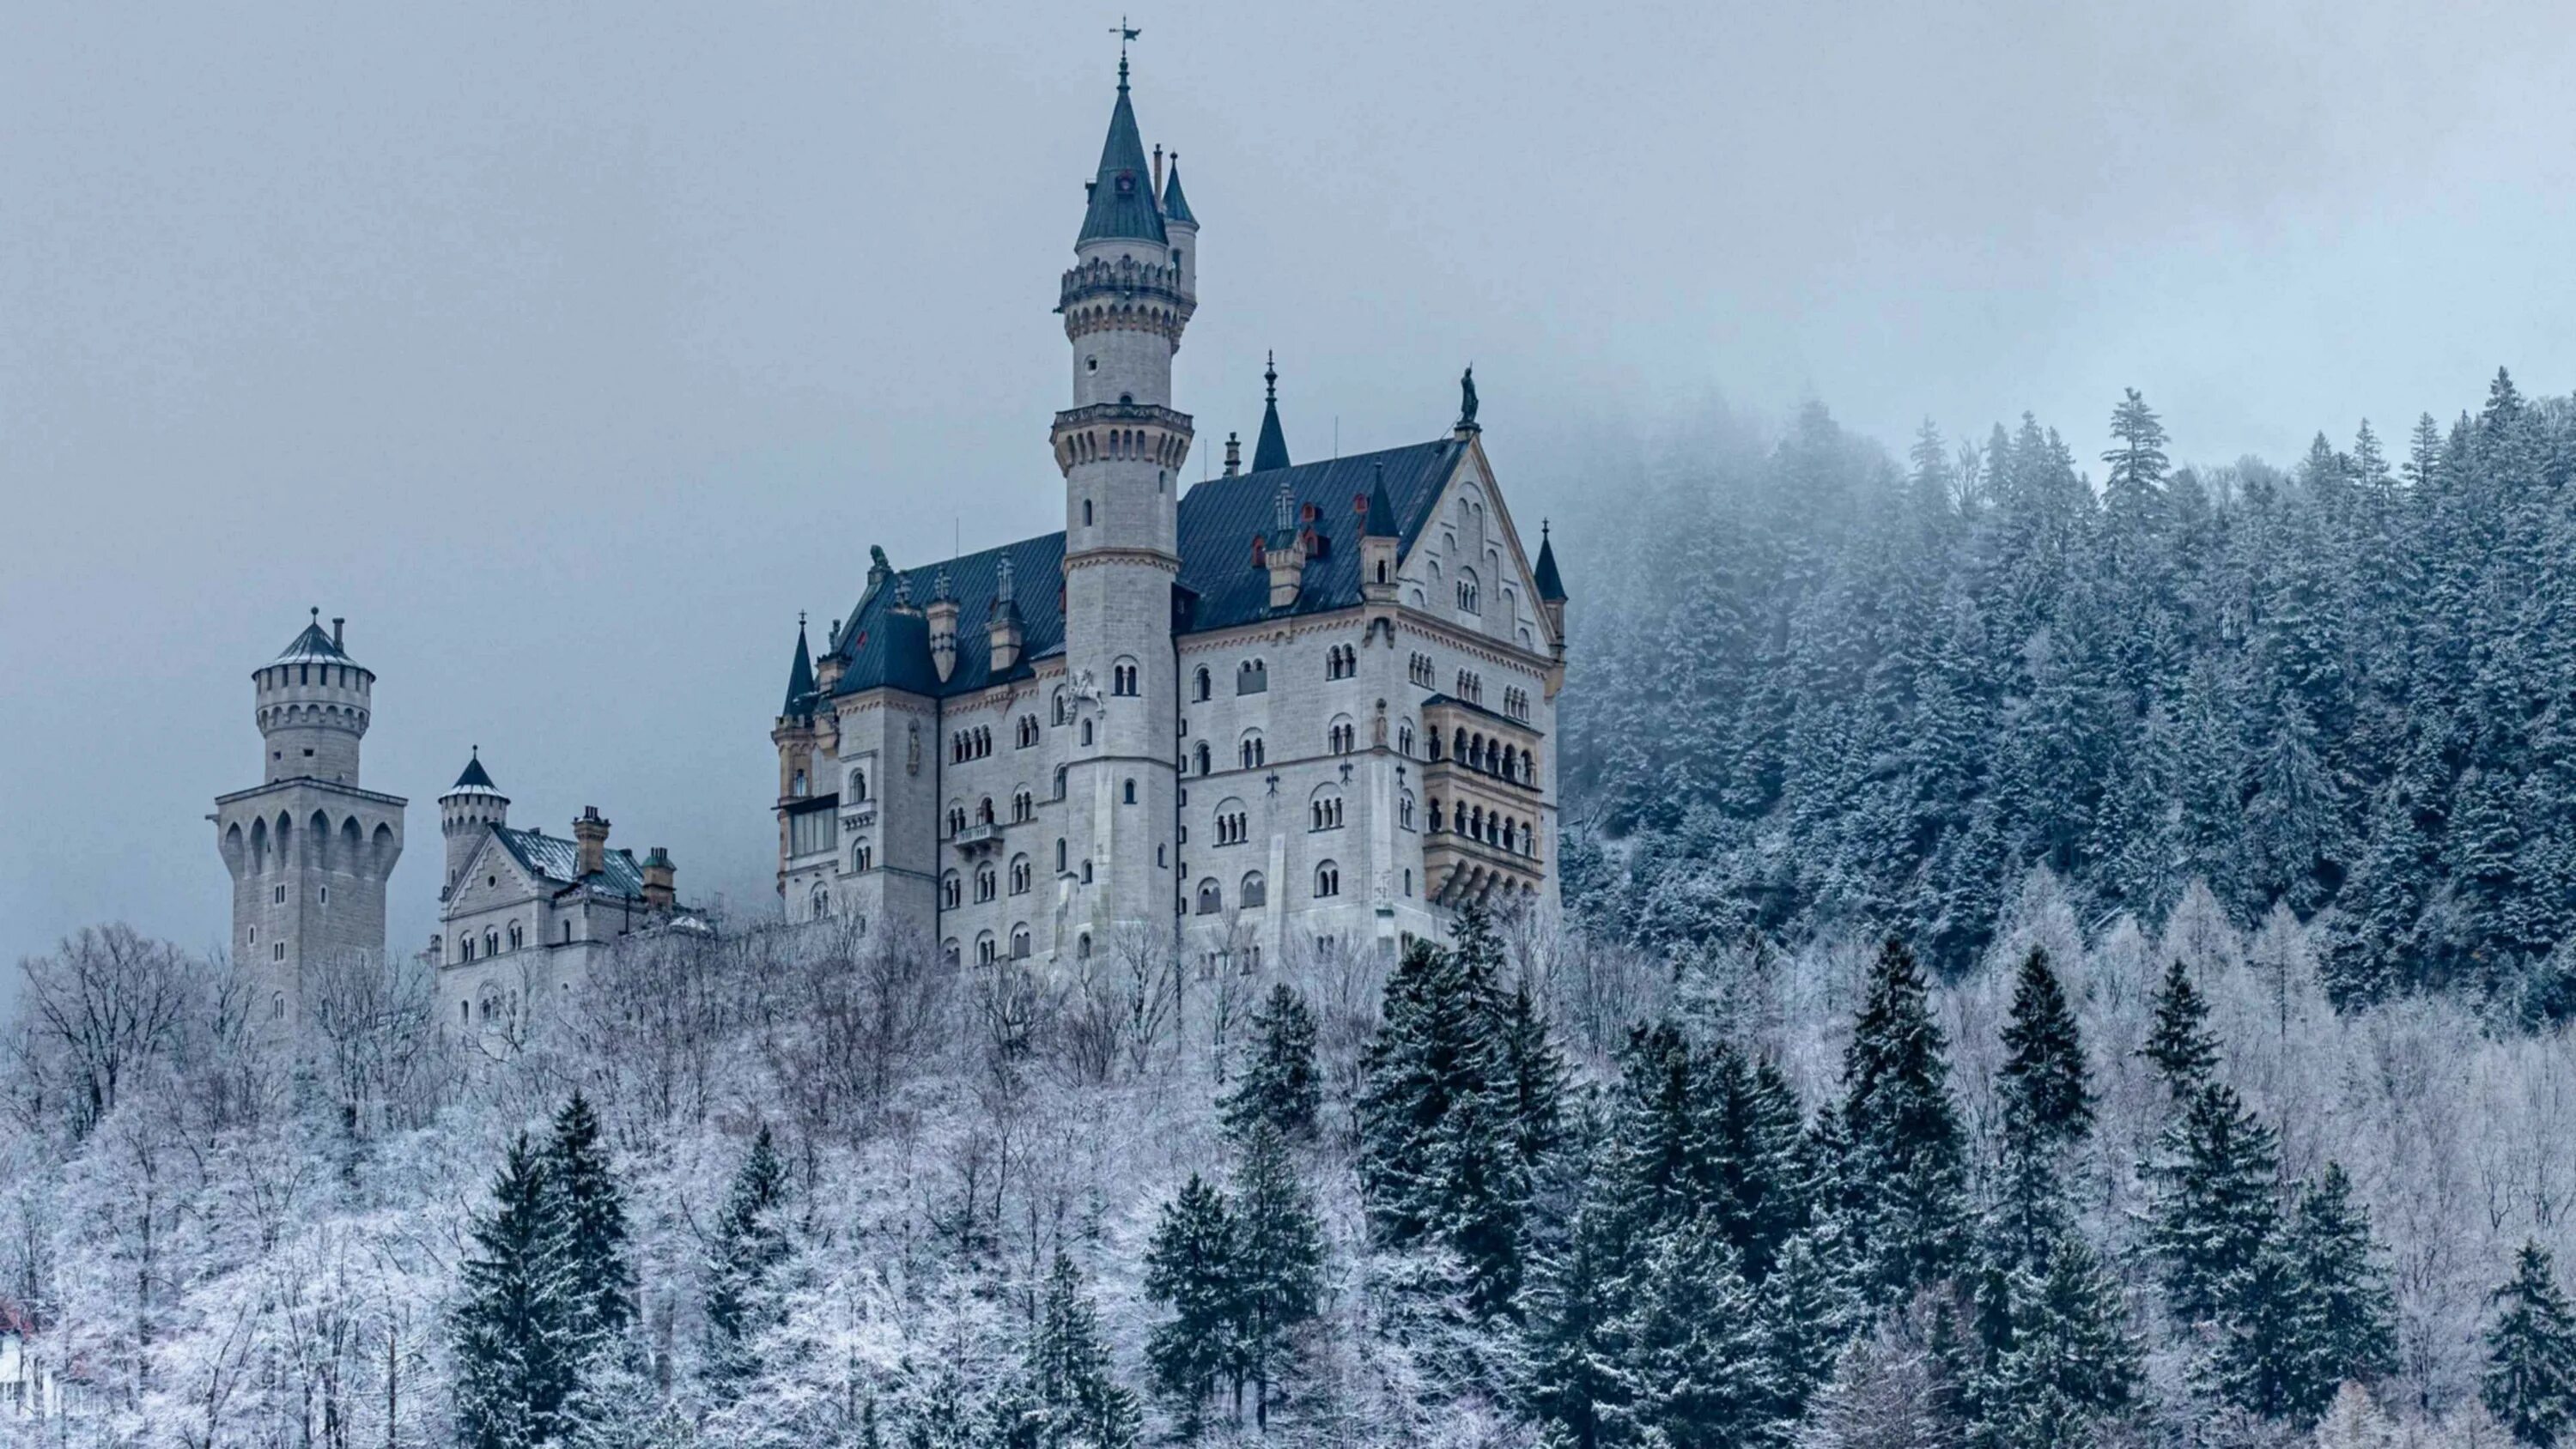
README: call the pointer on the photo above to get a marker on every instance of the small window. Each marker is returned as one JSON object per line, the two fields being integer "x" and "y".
{"x": 1200, "y": 685}
{"x": 1211, "y": 898}
{"x": 1086, "y": 513}
{"x": 1086, "y": 732}
{"x": 1252, "y": 677}
{"x": 1131, "y": 792}
{"x": 1328, "y": 880}
{"x": 1256, "y": 891}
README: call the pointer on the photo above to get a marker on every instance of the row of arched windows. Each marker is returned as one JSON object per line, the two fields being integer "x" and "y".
{"x": 1471, "y": 686}
{"x": 1516, "y": 703}
{"x": 1493, "y": 757}
{"x": 971, "y": 744}
{"x": 1342, "y": 661}
{"x": 1491, "y": 827}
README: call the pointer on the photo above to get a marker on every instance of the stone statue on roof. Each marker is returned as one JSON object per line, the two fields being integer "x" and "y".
{"x": 1467, "y": 397}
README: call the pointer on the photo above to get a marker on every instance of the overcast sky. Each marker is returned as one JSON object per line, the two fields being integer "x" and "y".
{"x": 569, "y": 350}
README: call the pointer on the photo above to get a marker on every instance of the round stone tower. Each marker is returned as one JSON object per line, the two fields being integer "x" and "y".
{"x": 1121, "y": 447}
{"x": 471, "y": 807}
{"x": 313, "y": 705}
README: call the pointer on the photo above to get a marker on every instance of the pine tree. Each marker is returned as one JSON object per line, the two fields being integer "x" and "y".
{"x": 2530, "y": 1383}
{"x": 1279, "y": 1266}
{"x": 518, "y": 1332}
{"x": 1278, "y": 1085}
{"x": 1076, "y": 1396}
{"x": 1570, "y": 1312}
{"x": 1434, "y": 1045}
{"x": 750, "y": 1245}
{"x": 1905, "y": 1171}
{"x": 2045, "y": 1083}
{"x": 1808, "y": 1318}
{"x": 594, "y": 1208}
{"x": 1694, "y": 1371}
{"x": 2180, "y": 1043}
{"x": 2348, "y": 1327}
{"x": 2215, "y": 1207}
{"x": 2069, "y": 1360}
{"x": 1191, "y": 1268}
{"x": 1534, "y": 1077}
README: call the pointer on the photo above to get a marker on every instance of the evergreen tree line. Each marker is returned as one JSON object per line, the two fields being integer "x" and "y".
{"x": 1826, "y": 691}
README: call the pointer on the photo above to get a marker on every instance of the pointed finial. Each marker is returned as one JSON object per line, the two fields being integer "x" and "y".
{"x": 902, "y": 590}
{"x": 800, "y": 621}
{"x": 1002, "y": 589}
{"x": 1270, "y": 376}
{"x": 317, "y": 615}
{"x": 1125, "y": 33}
{"x": 939, "y": 585}
{"x": 1542, "y": 530}
{"x": 1286, "y": 506}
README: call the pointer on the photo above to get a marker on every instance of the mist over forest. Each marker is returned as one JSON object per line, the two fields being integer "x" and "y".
{"x": 2056, "y": 951}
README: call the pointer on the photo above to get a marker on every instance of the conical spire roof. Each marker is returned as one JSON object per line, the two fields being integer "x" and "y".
{"x": 1122, "y": 195}
{"x": 1381, "y": 510}
{"x": 800, "y": 677}
{"x": 313, "y": 646}
{"x": 1271, "y": 450}
{"x": 1176, "y": 207}
{"x": 475, "y": 776}
{"x": 1550, "y": 587}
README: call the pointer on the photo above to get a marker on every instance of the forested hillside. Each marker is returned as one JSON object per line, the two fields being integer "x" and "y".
{"x": 1814, "y": 689}
{"x": 2040, "y": 970}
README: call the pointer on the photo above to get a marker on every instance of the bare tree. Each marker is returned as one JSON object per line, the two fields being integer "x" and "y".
{"x": 371, "y": 1040}
{"x": 99, "y": 1009}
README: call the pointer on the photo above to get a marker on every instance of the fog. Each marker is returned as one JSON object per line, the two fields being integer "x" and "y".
{"x": 570, "y": 351}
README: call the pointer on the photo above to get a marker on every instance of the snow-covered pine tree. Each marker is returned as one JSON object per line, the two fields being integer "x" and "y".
{"x": 1191, "y": 1268}
{"x": 2348, "y": 1319}
{"x": 2215, "y": 1205}
{"x": 1279, "y": 1261}
{"x": 1693, "y": 1369}
{"x": 750, "y": 1245}
{"x": 2179, "y": 1042}
{"x": 594, "y": 1208}
{"x": 2044, "y": 1082}
{"x": 1905, "y": 1170}
{"x": 518, "y": 1329}
{"x": 1077, "y": 1399}
{"x": 2530, "y": 1382}
{"x": 1277, "y": 1084}
{"x": 2070, "y": 1360}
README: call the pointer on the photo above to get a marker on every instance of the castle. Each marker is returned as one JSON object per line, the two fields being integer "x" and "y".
{"x": 1299, "y": 704}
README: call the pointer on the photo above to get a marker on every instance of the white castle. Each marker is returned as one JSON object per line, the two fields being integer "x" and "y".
{"x": 1302, "y": 704}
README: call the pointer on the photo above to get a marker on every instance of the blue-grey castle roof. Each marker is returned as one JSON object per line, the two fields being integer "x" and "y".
{"x": 886, "y": 643}
{"x": 1176, "y": 207}
{"x": 557, "y": 861}
{"x": 475, "y": 776}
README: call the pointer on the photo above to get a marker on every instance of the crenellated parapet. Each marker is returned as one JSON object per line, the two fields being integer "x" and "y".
{"x": 1101, "y": 432}
{"x": 1123, "y": 294}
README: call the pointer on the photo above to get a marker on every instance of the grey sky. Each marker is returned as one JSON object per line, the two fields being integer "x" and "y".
{"x": 569, "y": 350}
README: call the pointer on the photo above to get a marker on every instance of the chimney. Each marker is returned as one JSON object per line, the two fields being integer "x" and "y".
{"x": 1233, "y": 455}
{"x": 336, "y": 622}
{"x": 827, "y": 670}
{"x": 590, "y": 838}
{"x": 658, "y": 894}
{"x": 1158, "y": 174}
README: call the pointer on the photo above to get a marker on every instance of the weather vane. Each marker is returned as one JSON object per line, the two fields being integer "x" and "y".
{"x": 1125, "y": 33}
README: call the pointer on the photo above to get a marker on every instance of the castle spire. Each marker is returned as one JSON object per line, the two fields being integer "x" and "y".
{"x": 1271, "y": 450}
{"x": 1122, "y": 193}
{"x": 800, "y": 676}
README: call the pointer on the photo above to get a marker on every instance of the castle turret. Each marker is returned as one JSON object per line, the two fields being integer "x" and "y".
{"x": 472, "y": 807}
{"x": 1005, "y": 633}
{"x": 308, "y": 849}
{"x": 1551, "y": 588}
{"x": 1270, "y": 450}
{"x": 1378, "y": 543}
{"x": 1121, "y": 445}
{"x": 1181, "y": 229}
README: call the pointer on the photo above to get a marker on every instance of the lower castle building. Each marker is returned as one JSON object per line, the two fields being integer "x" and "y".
{"x": 1299, "y": 704}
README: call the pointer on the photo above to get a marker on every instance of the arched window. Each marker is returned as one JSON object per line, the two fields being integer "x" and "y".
{"x": 1059, "y": 782}
{"x": 1250, "y": 750}
{"x": 518, "y": 936}
{"x": 1207, "y": 759}
{"x": 1200, "y": 685}
{"x": 1122, "y": 677}
{"x": 1404, "y": 739}
{"x": 948, "y": 950}
{"x": 1086, "y": 513}
{"x": 984, "y": 948}
{"x": 797, "y": 786}
{"x": 1062, "y": 711}
{"x": 1342, "y": 738}
{"x": 956, "y": 818}
{"x": 1059, "y": 857}
{"x": 985, "y": 883}
{"x": 1211, "y": 898}
{"x": 863, "y": 857}
{"x": 1028, "y": 731}
{"x": 1232, "y": 825}
{"x": 1020, "y": 875}
{"x": 1086, "y": 732}
{"x": 1129, "y": 791}
{"x": 1252, "y": 677}
{"x": 1404, "y": 810}
{"x": 1024, "y": 806}
{"x": 822, "y": 902}
{"x": 1256, "y": 891}
{"x": 1086, "y": 870}
{"x": 1341, "y": 662}
{"x": 491, "y": 942}
{"x": 1020, "y": 942}
{"x": 1328, "y": 880}
{"x": 1324, "y": 809}
{"x": 1082, "y": 947}
{"x": 1408, "y": 880}
{"x": 952, "y": 891}
{"x": 858, "y": 786}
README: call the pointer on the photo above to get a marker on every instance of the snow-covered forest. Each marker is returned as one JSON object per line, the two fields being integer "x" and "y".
{"x": 2038, "y": 970}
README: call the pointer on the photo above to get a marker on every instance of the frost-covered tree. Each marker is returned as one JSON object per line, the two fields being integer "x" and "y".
{"x": 520, "y": 1328}
{"x": 749, "y": 1247}
{"x": 2530, "y": 1383}
{"x": 1277, "y": 1083}
{"x": 1191, "y": 1270}
{"x": 1905, "y": 1168}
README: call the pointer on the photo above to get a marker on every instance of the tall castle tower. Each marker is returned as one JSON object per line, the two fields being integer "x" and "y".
{"x": 308, "y": 849}
{"x": 1121, "y": 446}
{"x": 470, "y": 809}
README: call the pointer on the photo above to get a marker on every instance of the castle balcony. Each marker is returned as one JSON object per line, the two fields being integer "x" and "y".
{"x": 1463, "y": 742}
{"x": 1460, "y": 867}
{"x": 980, "y": 836}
